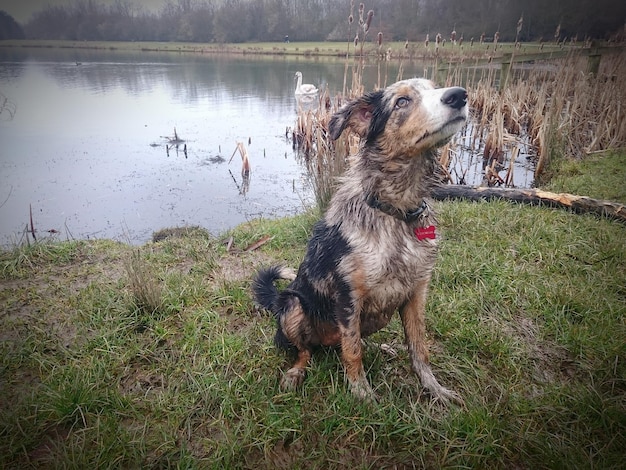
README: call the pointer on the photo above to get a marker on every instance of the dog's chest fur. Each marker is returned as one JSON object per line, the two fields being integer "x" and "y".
{"x": 387, "y": 258}
{"x": 367, "y": 259}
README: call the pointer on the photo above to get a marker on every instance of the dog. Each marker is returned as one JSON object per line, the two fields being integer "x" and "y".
{"x": 374, "y": 250}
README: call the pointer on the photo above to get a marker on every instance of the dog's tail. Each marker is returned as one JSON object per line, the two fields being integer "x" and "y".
{"x": 263, "y": 288}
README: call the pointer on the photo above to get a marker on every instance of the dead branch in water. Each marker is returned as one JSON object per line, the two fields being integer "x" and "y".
{"x": 32, "y": 225}
{"x": 245, "y": 168}
{"x": 245, "y": 162}
{"x": 579, "y": 204}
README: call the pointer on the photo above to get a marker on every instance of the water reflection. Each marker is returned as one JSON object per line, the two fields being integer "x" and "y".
{"x": 90, "y": 148}
{"x": 306, "y": 103}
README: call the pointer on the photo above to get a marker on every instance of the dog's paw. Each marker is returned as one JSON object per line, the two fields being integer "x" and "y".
{"x": 384, "y": 347}
{"x": 292, "y": 379}
{"x": 436, "y": 390}
{"x": 363, "y": 391}
{"x": 287, "y": 273}
{"x": 447, "y": 396}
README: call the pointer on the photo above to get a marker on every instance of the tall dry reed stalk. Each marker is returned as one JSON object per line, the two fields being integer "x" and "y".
{"x": 557, "y": 107}
{"x": 549, "y": 109}
{"x": 324, "y": 158}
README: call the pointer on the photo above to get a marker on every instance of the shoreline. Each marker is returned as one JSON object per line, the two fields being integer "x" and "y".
{"x": 340, "y": 50}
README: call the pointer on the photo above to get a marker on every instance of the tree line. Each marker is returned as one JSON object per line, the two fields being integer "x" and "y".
{"x": 236, "y": 21}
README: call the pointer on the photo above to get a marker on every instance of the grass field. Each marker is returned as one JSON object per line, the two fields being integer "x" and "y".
{"x": 311, "y": 49}
{"x": 115, "y": 356}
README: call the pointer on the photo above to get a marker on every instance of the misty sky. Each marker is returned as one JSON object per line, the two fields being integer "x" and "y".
{"x": 22, "y": 10}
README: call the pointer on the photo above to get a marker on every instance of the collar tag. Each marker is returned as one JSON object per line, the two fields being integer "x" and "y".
{"x": 423, "y": 233}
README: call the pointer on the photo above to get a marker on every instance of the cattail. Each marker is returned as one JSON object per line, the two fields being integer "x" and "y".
{"x": 427, "y": 40}
{"x": 350, "y": 19}
{"x": 557, "y": 33}
{"x": 380, "y": 39}
{"x": 356, "y": 40}
{"x": 520, "y": 23}
{"x": 368, "y": 21}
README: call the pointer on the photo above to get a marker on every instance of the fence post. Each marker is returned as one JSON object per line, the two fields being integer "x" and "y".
{"x": 504, "y": 69}
{"x": 441, "y": 71}
{"x": 593, "y": 61}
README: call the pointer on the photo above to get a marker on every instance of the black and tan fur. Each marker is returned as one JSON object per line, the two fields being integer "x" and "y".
{"x": 364, "y": 260}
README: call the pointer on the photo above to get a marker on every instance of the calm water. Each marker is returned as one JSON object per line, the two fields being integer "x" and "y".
{"x": 87, "y": 148}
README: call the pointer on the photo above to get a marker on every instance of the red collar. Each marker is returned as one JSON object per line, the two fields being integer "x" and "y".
{"x": 423, "y": 233}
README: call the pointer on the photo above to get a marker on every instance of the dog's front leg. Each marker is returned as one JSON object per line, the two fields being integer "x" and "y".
{"x": 352, "y": 358}
{"x": 414, "y": 322}
{"x": 294, "y": 377}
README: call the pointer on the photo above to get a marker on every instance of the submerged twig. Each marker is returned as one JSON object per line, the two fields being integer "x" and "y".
{"x": 32, "y": 225}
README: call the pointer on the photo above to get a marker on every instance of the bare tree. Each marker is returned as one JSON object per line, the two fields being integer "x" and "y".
{"x": 315, "y": 20}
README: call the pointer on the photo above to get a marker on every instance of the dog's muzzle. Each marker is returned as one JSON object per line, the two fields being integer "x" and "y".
{"x": 455, "y": 97}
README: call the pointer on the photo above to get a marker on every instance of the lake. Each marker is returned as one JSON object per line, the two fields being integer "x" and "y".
{"x": 87, "y": 150}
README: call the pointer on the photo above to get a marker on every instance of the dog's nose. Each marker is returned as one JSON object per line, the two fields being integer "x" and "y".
{"x": 455, "y": 97}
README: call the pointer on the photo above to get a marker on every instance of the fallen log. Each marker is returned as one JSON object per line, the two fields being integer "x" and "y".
{"x": 579, "y": 204}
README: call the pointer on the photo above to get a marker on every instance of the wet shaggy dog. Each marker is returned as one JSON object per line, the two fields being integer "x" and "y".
{"x": 373, "y": 252}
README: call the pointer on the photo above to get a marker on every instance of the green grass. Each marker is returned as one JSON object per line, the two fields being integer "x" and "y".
{"x": 526, "y": 321}
{"x": 601, "y": 175}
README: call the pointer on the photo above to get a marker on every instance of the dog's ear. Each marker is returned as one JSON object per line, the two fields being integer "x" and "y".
{"x": 357, "y": 115}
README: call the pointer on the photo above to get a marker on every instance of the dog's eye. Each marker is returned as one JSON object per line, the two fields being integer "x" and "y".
{"x": 402, "y": 102}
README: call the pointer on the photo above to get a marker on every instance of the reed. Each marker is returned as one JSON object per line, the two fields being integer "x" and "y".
{"x": 550, "y": 110}
{"x": 557, "y": 108}
{"x": 324, "y": 158}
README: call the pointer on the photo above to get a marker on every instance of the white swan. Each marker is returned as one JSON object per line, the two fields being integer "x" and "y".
{"x": 304, "y": 88}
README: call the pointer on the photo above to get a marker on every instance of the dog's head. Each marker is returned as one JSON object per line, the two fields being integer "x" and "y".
{"x": 405, "y": 119}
